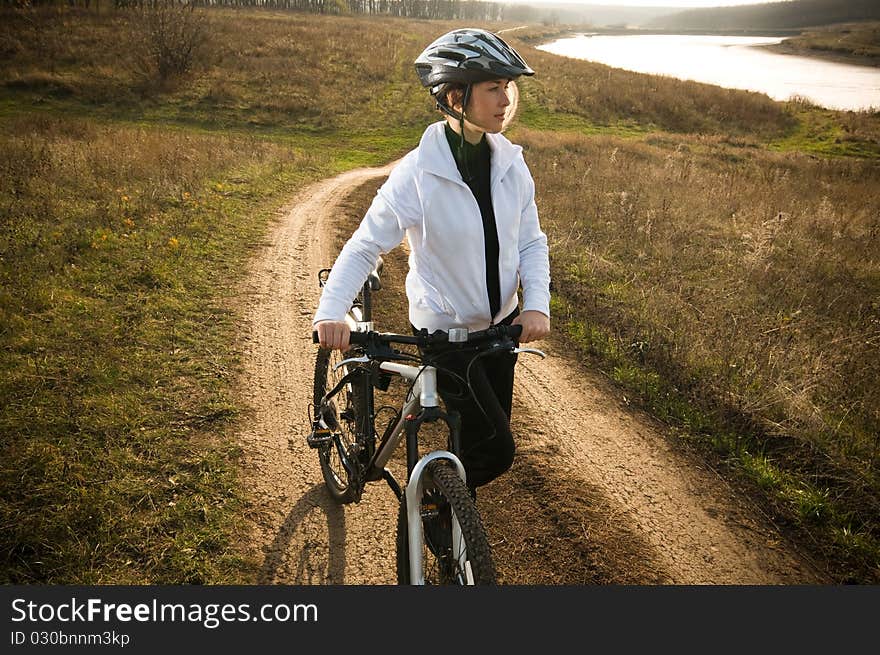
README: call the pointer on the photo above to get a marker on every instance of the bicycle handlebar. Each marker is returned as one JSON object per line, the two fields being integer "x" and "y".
{"x": 424, "y": 339}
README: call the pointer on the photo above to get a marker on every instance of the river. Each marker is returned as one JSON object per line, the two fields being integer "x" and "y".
{"x": 733, "y": 62}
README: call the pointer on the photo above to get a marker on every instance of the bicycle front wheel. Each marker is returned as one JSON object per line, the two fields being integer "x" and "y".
{"x": 445, "y": 494}
{"x": 342, "y": 415}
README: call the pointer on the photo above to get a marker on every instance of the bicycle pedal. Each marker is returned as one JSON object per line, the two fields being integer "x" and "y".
{"x": 429, "y": 512}
{"x": 319, "y": 437}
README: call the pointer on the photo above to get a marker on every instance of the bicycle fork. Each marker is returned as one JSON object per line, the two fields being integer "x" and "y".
{"x": 416, "y": 539}
{"x": 421, "y": 406}
{"x": 415, "y": 486}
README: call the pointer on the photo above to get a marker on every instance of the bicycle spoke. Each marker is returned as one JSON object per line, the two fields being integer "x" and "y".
{"x": 341, "y": 416}
{"x": 460, "y": 560}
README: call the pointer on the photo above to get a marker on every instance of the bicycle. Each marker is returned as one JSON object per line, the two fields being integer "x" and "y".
{"x": 440, "y": 535}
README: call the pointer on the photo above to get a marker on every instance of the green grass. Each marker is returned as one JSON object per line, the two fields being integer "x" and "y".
{"x": 536, "y": 118}
{"x": 822, "y": 132}
{"x": 812, "y": 505}
{"x": 120, "y": 254}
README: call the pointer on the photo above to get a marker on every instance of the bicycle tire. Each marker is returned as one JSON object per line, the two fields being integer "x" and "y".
{"x": 343, "y": 421}
{"x": 442, "y": 481}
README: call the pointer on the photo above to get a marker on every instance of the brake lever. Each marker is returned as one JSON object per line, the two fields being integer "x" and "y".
{"x": 530, "y": 351}
{"x": 363, "y": 359}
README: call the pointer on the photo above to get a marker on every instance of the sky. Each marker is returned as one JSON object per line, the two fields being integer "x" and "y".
{"x": 688, "y": 4}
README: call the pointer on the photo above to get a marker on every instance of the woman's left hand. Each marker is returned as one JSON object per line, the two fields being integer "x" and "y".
{"x": 536, "y": 325}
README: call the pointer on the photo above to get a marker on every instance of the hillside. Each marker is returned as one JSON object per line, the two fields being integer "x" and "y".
{"x": 595, "y": 15}
{"x": 856, "y": 43}
{"x": 777, "y": 15}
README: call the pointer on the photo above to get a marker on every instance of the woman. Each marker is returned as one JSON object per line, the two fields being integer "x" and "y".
{"x": 464, "y": 199}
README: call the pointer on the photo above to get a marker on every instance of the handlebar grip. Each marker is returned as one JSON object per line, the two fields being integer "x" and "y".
{"x": 510, "y": 331}
{"x": 354, "y": 338}
{"x": 357, "y": 338}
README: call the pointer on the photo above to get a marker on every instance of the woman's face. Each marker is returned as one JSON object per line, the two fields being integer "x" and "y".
{"x": 487, "y": 107}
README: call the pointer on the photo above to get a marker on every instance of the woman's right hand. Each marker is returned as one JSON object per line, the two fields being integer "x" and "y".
{"x": 333, "y": 334}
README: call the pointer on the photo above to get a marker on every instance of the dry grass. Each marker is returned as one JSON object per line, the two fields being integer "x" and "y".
{"x": 289, "y": 70}
{"x": 744, "y": 281}
{"x": 114, "y": 345}
{"x": 256, "y": 67}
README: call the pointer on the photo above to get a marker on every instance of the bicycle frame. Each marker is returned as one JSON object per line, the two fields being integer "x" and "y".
{"x": 421, "y": 404}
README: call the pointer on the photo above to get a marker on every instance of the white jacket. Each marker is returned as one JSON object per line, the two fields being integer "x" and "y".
{"x": 426, "y": 200}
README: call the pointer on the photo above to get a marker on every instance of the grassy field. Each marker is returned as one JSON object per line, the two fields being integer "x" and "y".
{"x": 735, "y": 293}
{"x": 128, "y": 217}
{"x": 857, "y": 43}
{"x": 681, "y": 216}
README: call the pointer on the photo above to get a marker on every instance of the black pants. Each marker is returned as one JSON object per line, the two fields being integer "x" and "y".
{"x": 487, "y": 446}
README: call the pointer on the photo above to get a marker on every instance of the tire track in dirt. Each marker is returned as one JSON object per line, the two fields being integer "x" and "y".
{"x": 587, "y": 461}
{"x": 305, "y": 538}
{"x": 699, "y": 531}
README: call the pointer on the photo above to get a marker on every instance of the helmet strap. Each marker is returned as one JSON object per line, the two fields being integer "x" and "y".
{"x": 461, "y": 118}
{"x": 443, "y": 105}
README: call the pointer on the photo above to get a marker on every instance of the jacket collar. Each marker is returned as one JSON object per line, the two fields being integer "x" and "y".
{"x": 436, "y": 157}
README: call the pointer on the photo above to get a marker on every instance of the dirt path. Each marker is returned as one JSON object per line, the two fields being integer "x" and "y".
{"x": 586, "y": 467}
{"x": 696, "y": 528}
{"x": 305, "y": 538}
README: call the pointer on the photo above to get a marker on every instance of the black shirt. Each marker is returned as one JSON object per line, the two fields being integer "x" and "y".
{"x": 474, "y": 164}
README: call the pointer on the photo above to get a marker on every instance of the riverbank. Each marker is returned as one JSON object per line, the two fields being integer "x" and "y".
{"x": 850, "y": 43}
{"x": 836, "y": 56}
{"x": 828, "y": 45}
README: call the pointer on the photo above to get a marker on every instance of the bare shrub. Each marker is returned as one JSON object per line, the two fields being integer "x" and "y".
{"x": 170, "y": 40}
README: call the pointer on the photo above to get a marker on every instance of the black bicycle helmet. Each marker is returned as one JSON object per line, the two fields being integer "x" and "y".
{"x": 466, "y": 56}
